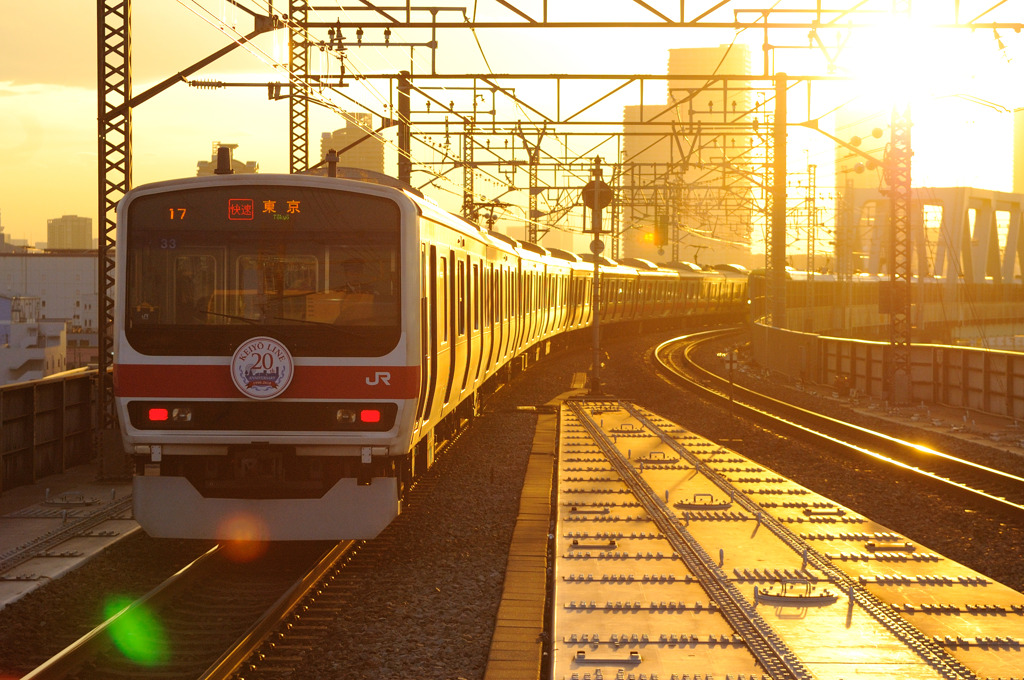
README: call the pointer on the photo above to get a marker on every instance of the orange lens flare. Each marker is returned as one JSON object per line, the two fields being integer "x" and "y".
{"x": 245, "y": 537}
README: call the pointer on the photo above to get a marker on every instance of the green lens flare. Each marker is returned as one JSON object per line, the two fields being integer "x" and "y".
{"x": 137, "y": 633}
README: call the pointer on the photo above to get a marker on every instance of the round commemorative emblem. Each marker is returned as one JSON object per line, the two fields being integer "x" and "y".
{"x": 262, "y": 368}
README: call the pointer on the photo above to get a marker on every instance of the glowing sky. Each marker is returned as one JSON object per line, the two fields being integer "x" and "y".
{"x": 48, "y": 100}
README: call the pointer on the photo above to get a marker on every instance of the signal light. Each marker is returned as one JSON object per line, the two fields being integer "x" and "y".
{"x": 661, "y": 230}
{"x": 369, "y": 416}
{"x": 158, "y": 415}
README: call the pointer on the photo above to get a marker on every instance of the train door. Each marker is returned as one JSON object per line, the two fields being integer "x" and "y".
{"x": 428, "y": 340}
{"x": 502, "y": 313}
{"x": 491, "y": 312}
{"x": 575, "y": 301}
{"x": 515, "y": 296}
{"x": 478, "y": 326}
{"x": 546, "y": 295}
{"x": 466, "y": 319}
{"x": 434, "y": 325}
{"x": 451, "y": 324}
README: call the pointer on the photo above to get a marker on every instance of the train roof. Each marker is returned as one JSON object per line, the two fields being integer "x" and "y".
{"x": 731, "y": 268}
{"x": 532, "y": 247}
{"x": 601, "y": 260}
{"x": 564, "y": 255}
{"x": 683, "y": 267}
{"x": 639, "y": 263}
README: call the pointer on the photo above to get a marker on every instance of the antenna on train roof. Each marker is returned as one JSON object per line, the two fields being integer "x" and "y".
{"x": 223, "y": 161}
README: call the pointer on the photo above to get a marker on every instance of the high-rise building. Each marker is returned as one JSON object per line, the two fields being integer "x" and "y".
{"x": 238, "y": 167}
{"x": 356, "y": 143}
{"x": 69, "y": 232}
{"x": 686, "y": 187}
{"x": 1018, "y": 151}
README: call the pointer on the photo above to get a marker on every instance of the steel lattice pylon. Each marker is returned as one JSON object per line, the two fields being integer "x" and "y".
{"x": 775, "y": 240}
{"x": 469, "y": 210}
{"x": 114, "y": 90}
{"x": 899, "y": 247}
{"x": 298, "y": 102}
{"x": 898, "y": 179}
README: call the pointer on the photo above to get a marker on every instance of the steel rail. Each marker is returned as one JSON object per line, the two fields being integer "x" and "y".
{"x": 89, "y": 645}
{"x": 769, "y": 649}
{"x": 929, "y": 652}
{"x": 30, "y": 550}
{"x": 250, "y": 642}
{"x": 778, "y": 414}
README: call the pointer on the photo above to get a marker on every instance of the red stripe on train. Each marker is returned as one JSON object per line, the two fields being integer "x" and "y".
{"x": 309, "y": 382}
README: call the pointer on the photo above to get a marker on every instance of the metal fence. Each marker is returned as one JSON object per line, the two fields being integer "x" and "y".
{"x": 46, "y": 426}
{"x": 983, "y": 380}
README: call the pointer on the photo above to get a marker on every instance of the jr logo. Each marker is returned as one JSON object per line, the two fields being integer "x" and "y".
{"x": 380, "y": 377}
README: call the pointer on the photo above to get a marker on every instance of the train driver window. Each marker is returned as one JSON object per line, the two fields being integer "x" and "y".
{"x": 361, "y": 288}
{"x": 194, "y": 282}
{"x": 358, "y": 277}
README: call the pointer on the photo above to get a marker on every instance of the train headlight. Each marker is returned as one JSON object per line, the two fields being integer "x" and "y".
{"x": 159, "y": 414}
{"x": 347, "y": 416}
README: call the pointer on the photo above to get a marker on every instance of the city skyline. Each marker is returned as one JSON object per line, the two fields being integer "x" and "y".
{"x": 48, "y": 109}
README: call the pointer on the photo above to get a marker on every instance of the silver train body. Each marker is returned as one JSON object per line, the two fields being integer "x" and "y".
{"x": 290, "y": 350}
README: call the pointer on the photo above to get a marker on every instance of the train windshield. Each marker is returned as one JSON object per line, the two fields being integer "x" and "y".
{"x": 316, "y": 269}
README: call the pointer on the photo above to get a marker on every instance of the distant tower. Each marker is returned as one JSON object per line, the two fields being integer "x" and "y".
{"x": 686, "y": 195}
{"x": 239, "y": 168}
{"x": 367, "y": 154}
{"x": 69, "y": 232}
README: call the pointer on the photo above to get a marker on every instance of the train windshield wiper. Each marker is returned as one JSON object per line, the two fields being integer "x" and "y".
{"x": 254, "y": 322}
{"x": 351, "y": 330}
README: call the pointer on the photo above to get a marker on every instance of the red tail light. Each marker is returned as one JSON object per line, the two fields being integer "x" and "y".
{"x": 369, "y": 416}
{"x": 158, "y": 414}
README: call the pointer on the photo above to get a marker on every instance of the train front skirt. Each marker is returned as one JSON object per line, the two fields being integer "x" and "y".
{"x": 170, "y": 507}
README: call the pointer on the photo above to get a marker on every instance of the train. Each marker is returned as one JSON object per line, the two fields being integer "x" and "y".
{"x": 942, "y": 310}
{"x": 291, "y": 350}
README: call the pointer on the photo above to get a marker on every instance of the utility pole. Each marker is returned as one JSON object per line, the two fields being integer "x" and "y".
{"x": 596, "y": 196}
{"x": 776, "y": 280}
{"x": 404, "y": 129}
{"x": 533, "y": 154}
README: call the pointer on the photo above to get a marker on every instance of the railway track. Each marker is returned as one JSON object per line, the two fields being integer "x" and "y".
{"x": 218, "y": 618}
{"x": 679, "y": 558}
{"x": 182, "y": 627}
{"x": 980, "y": 485}
{"x": 78, "y": 519}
